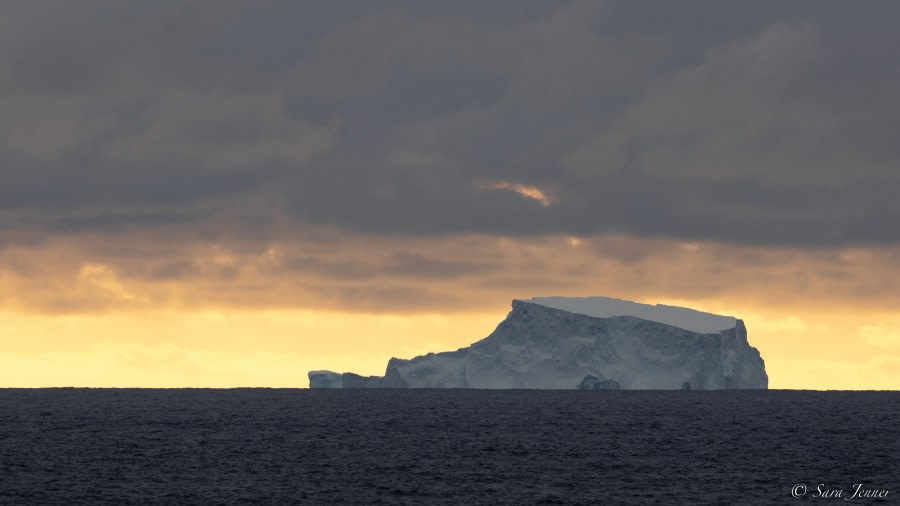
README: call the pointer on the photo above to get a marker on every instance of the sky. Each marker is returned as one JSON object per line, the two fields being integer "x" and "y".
{"x": 234, "y": 193}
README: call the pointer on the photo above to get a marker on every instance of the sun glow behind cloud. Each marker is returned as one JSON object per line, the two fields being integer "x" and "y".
{"x": 527, "y": 191}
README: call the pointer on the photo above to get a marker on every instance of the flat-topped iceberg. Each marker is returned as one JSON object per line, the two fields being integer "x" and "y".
{"x": 587, "y": 343}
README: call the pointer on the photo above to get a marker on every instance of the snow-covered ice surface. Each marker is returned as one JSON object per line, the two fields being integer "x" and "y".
{"x": 542, "y": 347}
{"x": 607, "y": 307}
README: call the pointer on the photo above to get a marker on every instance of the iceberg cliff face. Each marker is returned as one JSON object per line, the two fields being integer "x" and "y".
{"x": 543, "y": 347}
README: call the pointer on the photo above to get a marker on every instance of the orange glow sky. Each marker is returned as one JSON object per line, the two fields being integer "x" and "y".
{"x": 233, "y": 194}
{"x": 76, "y": 312}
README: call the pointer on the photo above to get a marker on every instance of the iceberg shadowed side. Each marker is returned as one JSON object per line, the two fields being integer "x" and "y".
{"x": 541, "y": 347}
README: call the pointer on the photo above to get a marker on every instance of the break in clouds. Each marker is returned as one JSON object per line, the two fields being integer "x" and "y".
{"x": 765, "y": 123}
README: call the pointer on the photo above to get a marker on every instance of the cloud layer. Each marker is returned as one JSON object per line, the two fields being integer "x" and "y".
{"x": 331, "y": 269}
{"x": 768, "y": 124}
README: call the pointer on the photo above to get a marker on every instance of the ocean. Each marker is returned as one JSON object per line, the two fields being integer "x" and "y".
{"x": 296, "y": 446}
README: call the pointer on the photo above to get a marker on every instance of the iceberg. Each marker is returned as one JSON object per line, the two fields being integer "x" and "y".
{"x": 584, "y": 343}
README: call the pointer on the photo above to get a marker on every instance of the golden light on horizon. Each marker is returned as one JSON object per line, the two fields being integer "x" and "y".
{"x": 215, "y": 348}
{"x": 276, "y": 348}
{"x": 77, "y": 312}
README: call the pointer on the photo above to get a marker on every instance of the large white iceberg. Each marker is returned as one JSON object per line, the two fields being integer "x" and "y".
{"x": 592, "y": 343}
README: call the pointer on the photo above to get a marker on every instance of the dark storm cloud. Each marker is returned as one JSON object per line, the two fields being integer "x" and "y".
{"x": 768, "y": 123}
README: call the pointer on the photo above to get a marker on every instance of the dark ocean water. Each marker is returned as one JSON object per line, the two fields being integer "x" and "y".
{"x": 96, "y": 446}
